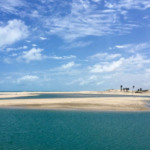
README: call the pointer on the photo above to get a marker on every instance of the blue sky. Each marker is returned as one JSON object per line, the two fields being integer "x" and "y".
{"x": 74, "y": 45}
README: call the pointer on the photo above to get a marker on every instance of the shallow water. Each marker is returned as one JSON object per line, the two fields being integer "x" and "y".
{"x": 42, "y": 96}
{"x": 73, "y": 130}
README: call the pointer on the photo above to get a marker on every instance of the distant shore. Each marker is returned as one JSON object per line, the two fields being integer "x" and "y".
{"x": 93, "y": 103}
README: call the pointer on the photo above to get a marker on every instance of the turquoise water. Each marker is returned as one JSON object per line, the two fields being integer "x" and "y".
{"x": 70, "y": 96}
{"x": 73, "y": 130}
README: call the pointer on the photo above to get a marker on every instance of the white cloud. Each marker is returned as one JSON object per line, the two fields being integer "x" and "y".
{"x": 35, "y": 14}
{"x": 77, "y": 44}
{"x": 105, "y": 56}
{"x": 43, "y": 38}
{"x": 86, "y": 19}
{"x": 96, "y": 1}
{"x": 14, "y": 31}
{"x": 123, "y": 46}
{"x": 91, "y": 79}
{"x": 68, "y": 65}
{"x": 108, "y": 67}
{"x": 132, "y": 48}
{"x": 61, "y": 57}
{"x": 31, "y": 55}
{"x": 123, "y": 70}
{"x": 131, "y": 64}
{"x": 28, "y": 41}
{"x": 27, "y": 78}
{"x": 128, "y": 4}
{"x": 100, "y": 83}
{"x": 138, "y": 60}
{"x": 35, "y": 54}
{"x": 15, "y": 49}
{"x": 87, "y": 80}
{"x": 34, "y": 45}
{"x": 148, "y": 70}
{"x": 14, "y": 54}
{"x": 10, "y": 6}
{"x": 81, "y": 18}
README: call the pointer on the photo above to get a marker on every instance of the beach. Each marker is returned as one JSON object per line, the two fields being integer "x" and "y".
{"x": 134, "y": 101}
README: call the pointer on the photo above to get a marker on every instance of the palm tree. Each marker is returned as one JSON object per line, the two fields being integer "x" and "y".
{"x": 133, "y": 87}
{"x": 121, "y": 87}
{"x": 127, "y": 89}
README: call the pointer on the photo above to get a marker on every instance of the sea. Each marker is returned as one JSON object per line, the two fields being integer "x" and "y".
{"x": 27, "y": 129}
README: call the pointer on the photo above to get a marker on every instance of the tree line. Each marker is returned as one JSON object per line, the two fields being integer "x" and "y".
{"x": 126, "y": 89}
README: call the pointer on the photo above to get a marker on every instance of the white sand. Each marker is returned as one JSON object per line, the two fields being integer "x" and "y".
{"x": 102, "y": 103}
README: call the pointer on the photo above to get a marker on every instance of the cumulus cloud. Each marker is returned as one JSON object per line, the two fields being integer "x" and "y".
{"x": 31, "y": 55}
{"x": 35, "y": 54}
{"x": 14, "y": 31}
{"x": 135, "y": 62}
{"x": 68, "y": 65}
{"x": 108, "y": 67}
{"x": 138, "y": 60}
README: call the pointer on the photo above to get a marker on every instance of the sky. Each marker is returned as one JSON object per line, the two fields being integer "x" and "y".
{"x": 74, "y": 45}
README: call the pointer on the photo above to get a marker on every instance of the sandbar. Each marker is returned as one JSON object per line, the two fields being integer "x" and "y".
{"x": 92, "y": 103}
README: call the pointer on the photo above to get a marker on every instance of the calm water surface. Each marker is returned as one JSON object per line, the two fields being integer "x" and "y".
{"x": 42, "y": 96}
{"x": 73, "y": 130}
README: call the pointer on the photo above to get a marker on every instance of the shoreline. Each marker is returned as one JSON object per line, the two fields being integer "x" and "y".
{"x": 85, "y": 104}
{"x": 133, "y": 101}
{"x": 115, "y": 92}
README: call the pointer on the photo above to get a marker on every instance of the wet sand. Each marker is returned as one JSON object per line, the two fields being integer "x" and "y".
{"x": 94, "y": 104}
